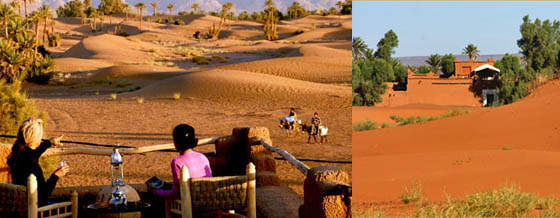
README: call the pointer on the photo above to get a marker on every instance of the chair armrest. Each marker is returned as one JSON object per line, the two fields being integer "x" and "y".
{"x": 55, "y": 206}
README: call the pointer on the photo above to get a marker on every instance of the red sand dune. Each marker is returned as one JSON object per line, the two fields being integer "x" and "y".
{"x": 465, "y": 154}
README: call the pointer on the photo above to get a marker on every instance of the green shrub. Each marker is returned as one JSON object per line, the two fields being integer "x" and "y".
{"x": 370, "y": 213}
{"x": 179, "y": 22}
{"x": 220, "y": 59}
{"x": 507, "y": 201}
{"x": 412, "y": 194}
{"x": 201, "y": 60}
{"x": 387, "y": 125}
{"x": 54, "y": 40}
{"x": 41, "y": 71}
{"x": 15, "y": 108}
{"x": 365, "y": 125}
{"x": 420, "y": 119}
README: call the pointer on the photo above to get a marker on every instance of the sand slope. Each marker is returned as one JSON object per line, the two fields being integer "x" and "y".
{"x": 530, "y": 127}
{"x": 111, "y": 48}
{"x": 230, "y": 86}
{"x": 318, "y": 64}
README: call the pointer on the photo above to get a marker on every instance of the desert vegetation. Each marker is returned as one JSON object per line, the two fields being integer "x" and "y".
{"x": 506, "y": 201}
{"x": 420, "y": 119}
{"x": 370, "y": 69}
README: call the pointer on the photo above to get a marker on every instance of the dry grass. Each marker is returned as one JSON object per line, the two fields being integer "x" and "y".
{"x": 176, "y": 96}
{"x": 140, "y": 100}
{"x": 113, "y": 96}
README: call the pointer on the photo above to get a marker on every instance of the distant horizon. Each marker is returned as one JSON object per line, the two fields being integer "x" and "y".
{"x": 425, "y": 28}
{"x": 516, "y": 53}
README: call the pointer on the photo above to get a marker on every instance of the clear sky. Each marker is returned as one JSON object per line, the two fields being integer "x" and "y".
{"x": 442, "y": 27}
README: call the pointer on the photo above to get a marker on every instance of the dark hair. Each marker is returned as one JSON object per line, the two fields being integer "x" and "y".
{"x": 184, "y": 137}
{"x": 316, "y": 113}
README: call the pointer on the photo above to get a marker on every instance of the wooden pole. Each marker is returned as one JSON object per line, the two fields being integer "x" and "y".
{"x": 108, "y": 151}
{"x": 74, "y": 204}
{"x": 290, "y": 158}
{"x": 251, "y": 191}
{"x": 32, "y": 197}
{"x": 186, "y": 206}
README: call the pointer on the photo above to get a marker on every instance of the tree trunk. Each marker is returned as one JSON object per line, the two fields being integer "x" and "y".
{"x": 140, "y": 28}
{"x": 36, "y": 41}
{"x": 25, "y": 7}
{"x": 45, "y": 30}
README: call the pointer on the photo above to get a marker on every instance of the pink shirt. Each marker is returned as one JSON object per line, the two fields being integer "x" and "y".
{"x": 197, "y": 164}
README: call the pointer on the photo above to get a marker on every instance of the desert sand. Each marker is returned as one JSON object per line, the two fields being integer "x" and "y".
{"x": 259, "y": 83}
{"x": 513, "y": 144}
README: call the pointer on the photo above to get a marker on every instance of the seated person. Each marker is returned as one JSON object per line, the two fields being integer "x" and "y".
{"x": 185, "y": 140}
{"x": 293, "y": 115}
{"x": 24, "y": 158}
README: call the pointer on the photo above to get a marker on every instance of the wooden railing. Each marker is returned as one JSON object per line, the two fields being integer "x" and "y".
{"x": 290, "y": 158}
{"x": 108, "y": 151}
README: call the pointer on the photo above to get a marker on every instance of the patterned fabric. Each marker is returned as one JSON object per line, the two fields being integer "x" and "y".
{"x": 219, "y": 193}
{"x": 198, "y": 166}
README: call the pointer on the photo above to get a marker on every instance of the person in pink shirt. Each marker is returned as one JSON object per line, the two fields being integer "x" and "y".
{"x": 185, "y": 140}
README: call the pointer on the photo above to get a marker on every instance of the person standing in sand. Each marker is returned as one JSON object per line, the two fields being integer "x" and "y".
{"x": 315, "y": 123}
{"x": 185, "y": 140}
{"x": 24, "y": 159}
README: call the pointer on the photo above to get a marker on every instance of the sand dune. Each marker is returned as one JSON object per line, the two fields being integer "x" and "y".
{"x": 109, "y": 47}
{"x": 230, "y": 86}
{"x": 516, "y": 143}
{"x": 73, "y": 65}
{"x": 318, "y": 64}
{"x": 136, "y": 73}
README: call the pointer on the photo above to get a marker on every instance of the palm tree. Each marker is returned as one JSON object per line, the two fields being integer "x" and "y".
{"x": 36, "y": 19}
{"x": 270, "y": 26}
{"x": 6, "y": 13}
{"x": 269, "y": 3}
{"x": 225, "y": 9}
{"x": 126, "y": 9}
{"x": 340, "y": 4}
{"x": 11, "y": 59}
{"x": 154, "y": 6}
{"x": 140, "y": 7}
{"x": 46, "y": 13}
{"x": 170, "y": 7}
{"x": 16, "y": 5}
{"x": 472, "y": 51}
{"x": 435, "y": 62}
{"x": 359, "y": 48}
{"x": 195, "y": 8}
{"x": 25, "y": 2}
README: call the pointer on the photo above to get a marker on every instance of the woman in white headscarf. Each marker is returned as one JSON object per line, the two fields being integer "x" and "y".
{"x": 24, "y": 159}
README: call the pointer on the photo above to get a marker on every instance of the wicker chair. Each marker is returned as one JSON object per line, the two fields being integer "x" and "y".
{"x": 22, "y": 201}
{"x": 215, "y": 193}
